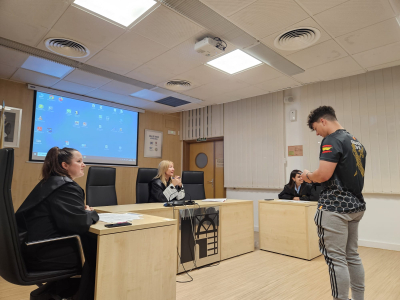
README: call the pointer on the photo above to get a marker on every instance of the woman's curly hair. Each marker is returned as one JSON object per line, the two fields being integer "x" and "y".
{"x": 325, "y": 112}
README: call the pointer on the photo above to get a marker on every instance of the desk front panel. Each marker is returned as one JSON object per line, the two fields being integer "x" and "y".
{"x": 138, "y": 264}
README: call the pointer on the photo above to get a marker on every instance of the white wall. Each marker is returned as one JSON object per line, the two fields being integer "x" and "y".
{"x": 380, "y": 227}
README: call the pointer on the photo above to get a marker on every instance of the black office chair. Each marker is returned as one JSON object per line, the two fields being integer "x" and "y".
{"x": 144, "y": 176}
{"x": 193, "y": 183}
{"x": 100, "y": 187}
{"x": 12, "y": 265}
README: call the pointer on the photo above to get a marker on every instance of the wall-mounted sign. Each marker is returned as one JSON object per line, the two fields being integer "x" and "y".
{"x": 295, "y": 150}
{"x": 201, "y": 140}
{"x": 153, "y": 143}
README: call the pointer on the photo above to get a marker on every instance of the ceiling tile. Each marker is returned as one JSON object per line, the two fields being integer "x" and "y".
{"x": 387, "y": 65}
{"x": 201, "y": 75}
{"x": 45, "y": 66}
{"x": 380, "y": 34}
{"x": 166, "y": 27}
{"x": 309, "y": 22}
{"x": 34, "y": 77}
{"x": 113, "y": 62}
{"x": 334, "y": 69}
{"x": 13, "y": 28}
{"x": 149, "y": 74}
{"x": 136, "y": 47}
{"x": 127, "y": 100}
{"x": 317, "y": 6}
{"x": 317, "y": 55}
{"x": 39, "y": 12}
{"x": 87, "y": 28}
{"x": 277, "y": 84}
{"x": 120, "y": 88}
{"x": 227, "y": 7}
{"x": 183, "y": 57}
{"x": 264, "y": 17}
{"x": 11, "y": 57}
{"x": 244, "y": 93}
{"x": 72, "y": 87}
{"x": 379, "y": 56}
{"x": 216, "y": 88}
{"x": 258, "y": 74}
{"x": 353, "y": 15}
{"x": 6, "y": 71}
{"x": 86, "y": 78}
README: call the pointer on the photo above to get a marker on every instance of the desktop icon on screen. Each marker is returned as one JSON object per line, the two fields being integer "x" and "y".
{"x": 100, "y": 117}
{"x": 77, "y": 112}
{"x": 93, "y": 106}
{"x": 40, "y": 118}
{"x": 99, "y": 126}
{"x": 84, "y": 145}
{"x": 84, "y": 124}
{"x": 76, "y": 122}
{"x": 121, "y": 111}
{"x": 101, "y": 106}
{"x": 107, "y": 118}
{"x": 41, "y": 106}
{"x": 49, "y": 130}
{"x": 50, "y": 107}
{"x": 69, "y": 111}
{"x": 106, "y": 146}
{"x": 120, "y": 129}
{"x": 67, "y": 143}
{"x": 51, "y": 97}
{"x": 60, "y": 99}
{"x": 39, "y": 128}
{"x": 115, "y": 110}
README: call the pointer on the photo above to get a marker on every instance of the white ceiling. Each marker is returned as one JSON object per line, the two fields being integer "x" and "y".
{"x": 356, "y": 36}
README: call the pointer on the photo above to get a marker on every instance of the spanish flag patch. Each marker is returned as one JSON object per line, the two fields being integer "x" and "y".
{"x": 326, "y": 148}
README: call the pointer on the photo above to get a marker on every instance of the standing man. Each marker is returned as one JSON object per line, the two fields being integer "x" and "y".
{"x": 341, "y": 204}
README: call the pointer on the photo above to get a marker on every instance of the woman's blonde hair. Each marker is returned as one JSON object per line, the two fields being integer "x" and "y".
{"x": 162, "y": 169}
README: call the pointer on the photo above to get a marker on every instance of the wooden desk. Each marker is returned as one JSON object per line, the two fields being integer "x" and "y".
{"x": 137, "y": 261}
{"x": 288, "y": 228}
{"x": 236, "y": 218}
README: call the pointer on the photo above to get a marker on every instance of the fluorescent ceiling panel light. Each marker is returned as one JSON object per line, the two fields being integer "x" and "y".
{"x": 123, "y": 12}
{"x": 234, "y": 62}
{"x": 45, "y": 66}
{"x": 149, "y": 95}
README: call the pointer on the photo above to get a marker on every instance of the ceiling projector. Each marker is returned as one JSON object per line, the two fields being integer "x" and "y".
{"x": 208, "y": 47}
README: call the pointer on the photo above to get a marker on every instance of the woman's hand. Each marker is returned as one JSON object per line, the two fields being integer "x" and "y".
{"x": 177, "y": 181}
{"x": 296, "y": 198}
{"x": 88, "y": 208}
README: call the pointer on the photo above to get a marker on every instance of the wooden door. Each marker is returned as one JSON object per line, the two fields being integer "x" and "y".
{"x": 201, "y": 151}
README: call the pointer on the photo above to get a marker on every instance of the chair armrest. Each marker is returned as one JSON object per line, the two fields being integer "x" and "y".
{"x": 78, "y": 241}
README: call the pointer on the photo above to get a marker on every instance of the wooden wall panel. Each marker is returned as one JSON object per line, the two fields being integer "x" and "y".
{"x": 368, "y": 106}
{"x": 27, "y": 175}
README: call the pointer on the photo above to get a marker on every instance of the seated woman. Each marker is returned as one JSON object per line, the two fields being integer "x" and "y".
{"x": 296, "y": 189}
{"x": 164, "y": 187}
{"x": 56, "y": 208}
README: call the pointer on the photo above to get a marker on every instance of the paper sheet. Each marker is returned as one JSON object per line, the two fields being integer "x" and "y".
{"x": 294, "y": 201}
{"x": 214, "y": 200}
{"x": 117, "y": 218}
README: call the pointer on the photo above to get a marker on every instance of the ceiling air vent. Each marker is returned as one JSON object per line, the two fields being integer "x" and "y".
{"x": 178, "y": 85}
{"x": 297, "y": 39}
{"x": 66, "y": 47}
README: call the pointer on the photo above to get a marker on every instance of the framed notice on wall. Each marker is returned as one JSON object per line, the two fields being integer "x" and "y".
{"x": 11, "y": 126}
{"x": 153, "y": 143}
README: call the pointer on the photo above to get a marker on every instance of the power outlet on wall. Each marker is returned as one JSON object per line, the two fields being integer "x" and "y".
{"x": 293, "y": 115}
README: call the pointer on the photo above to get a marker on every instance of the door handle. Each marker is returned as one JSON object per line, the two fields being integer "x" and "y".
{"x": 211, "y": 181}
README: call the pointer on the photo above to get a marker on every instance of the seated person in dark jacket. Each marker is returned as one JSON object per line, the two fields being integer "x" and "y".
{"x": 56, "y": 208}
{"x": 165, "y": 187}
{"x": 296, "y": 189}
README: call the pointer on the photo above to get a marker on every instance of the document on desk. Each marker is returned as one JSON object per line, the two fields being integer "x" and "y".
{"x": 117, "y": 218}
{"x": 214, "y": 200}
{"x": 294, "y": 201}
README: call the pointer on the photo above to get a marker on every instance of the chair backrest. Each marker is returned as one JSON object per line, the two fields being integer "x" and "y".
{"x": 144, "y": 176}
{"x": 12, "y": 267}
{"x": 193, "y": 183}
{"x": 100, "y": 187}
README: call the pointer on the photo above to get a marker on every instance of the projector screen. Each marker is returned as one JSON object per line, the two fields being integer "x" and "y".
{"x": 103, "y": 134}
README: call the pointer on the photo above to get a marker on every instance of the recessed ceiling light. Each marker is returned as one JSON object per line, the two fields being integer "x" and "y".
{"x": 123, "y": 12}
{"x": 45, "y": 66}
{"x": 234, "y": 62}
{"x": 149, "y": 95}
